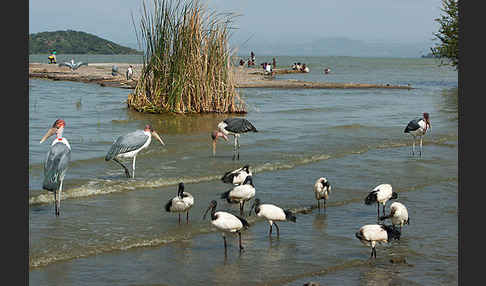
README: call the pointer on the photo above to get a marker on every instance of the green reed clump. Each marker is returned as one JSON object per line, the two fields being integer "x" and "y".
{"x": 186, "y": 62}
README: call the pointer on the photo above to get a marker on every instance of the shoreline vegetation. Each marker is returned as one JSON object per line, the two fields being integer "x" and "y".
{"x": 186, "y": 62}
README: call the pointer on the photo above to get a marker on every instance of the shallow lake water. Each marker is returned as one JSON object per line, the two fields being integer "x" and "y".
{"x": 115, "y": 230}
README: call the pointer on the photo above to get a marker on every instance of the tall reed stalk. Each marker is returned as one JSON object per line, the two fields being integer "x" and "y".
{"x": 186, "y": 63}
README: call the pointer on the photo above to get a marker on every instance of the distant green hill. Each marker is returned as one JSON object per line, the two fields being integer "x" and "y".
{"x": 74, "y": 42}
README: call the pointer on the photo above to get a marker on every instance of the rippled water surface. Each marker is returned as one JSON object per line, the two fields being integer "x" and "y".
{"x": 115, "y": 230}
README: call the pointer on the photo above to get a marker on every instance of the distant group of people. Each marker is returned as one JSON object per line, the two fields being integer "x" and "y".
{"x": 300, "y": 67}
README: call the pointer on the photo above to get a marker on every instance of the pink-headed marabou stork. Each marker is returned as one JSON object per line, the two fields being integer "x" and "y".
{"x": 57, "y": 162}
{"x": 232, "y": 126}
{"x": 128, "y": 146}
{"x": 418, "y": 127}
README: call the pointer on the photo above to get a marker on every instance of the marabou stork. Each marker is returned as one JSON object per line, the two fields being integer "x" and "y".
{"x": 128, "y": 146}
{"x": 73, "y": 66}
{"x": 232, "y": 126}
{"x": 57, "y": 162}
{"x": 418, "y": 127}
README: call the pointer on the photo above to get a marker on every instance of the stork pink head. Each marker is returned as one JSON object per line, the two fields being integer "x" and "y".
{"x": 59, "y": 123}
{"x": 427, "y": 119}
{"x": 148, "y": 127}
{"x": 57, "y": 127}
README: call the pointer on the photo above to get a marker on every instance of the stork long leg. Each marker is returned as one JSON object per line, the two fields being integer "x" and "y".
{"x": 124, "y": 167}
{"x": 270, "y": 231}
{"x": 187, "y": 217}
{"x": 372, "y": 251}
{"x": 413, "y": 146}
{"x": 55, "y": 202}
{"x": 234, "y": 147}
{"x": 133, "y": 166}
{"x": 420, "y": 146}
{"x": 238, "y": 146}
{"x": 378, "y": 208}
{"x": 383, "y": 209}
{"x": 179, "y": 218}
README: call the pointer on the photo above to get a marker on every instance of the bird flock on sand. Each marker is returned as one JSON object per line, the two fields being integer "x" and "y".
{"x": 241, "y": 180}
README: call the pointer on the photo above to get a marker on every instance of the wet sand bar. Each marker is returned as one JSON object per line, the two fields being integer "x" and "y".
{"x": 100, "y": 73}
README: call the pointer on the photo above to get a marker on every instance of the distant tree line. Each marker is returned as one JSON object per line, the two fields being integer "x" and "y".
{"x": 74, "y": 42}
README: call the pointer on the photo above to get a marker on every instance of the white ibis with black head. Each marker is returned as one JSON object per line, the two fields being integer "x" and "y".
{"x": 128, "y": 146}
{"x": 238, "y": 176}
{"x": 57, "y": 162}
{"x": 181, "y": 203}
{"x": 73, "y": 66}
{"x": 380, "y": 195}
{"x": 398, "y": 214}
{"x": 322, "y": 189}
{"x": 418, "y": 127}
{"x": 232, "y": 126}
{"x": 226, "y": 222}
{"x": 371, "y": 234}
{"x": 272, "y": 213}
{"x": 240, "y": 194}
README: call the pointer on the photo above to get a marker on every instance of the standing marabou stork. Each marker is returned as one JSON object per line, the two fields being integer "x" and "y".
{"x": 181, "y": 203}
{"x": 240, "y": 194}
{"x": 73, "y": 66}
{"x": 370, "y": 234}
{"x": 322, "y": 189}
{"x": 57, "y": 162}
{"x": 128, "y": 146}
{"x": 272, "y": 213}
{"x": 238, "y": 176}
{"x": 226, "y": 222}
{"x": 380, "y": 195}
{"x": 232, "y": 126}
{"x": 418, "y": 127}
{"x": 398, "y": 215}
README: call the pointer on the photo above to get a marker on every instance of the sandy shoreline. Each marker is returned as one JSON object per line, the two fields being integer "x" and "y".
{"x": 100, "y": 73}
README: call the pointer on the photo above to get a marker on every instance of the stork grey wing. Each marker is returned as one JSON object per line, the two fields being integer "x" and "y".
{"x": 55, "y": 166}
{"x": 65, "y": 65}
{"x": 76, "y": 66}
{"x": 239, "y": 125}
{"x": 412, "y": 125}
{"x": 127, "y": 143}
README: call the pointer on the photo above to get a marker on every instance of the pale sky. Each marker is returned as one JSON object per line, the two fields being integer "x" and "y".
{"x": 397, "y": 21}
